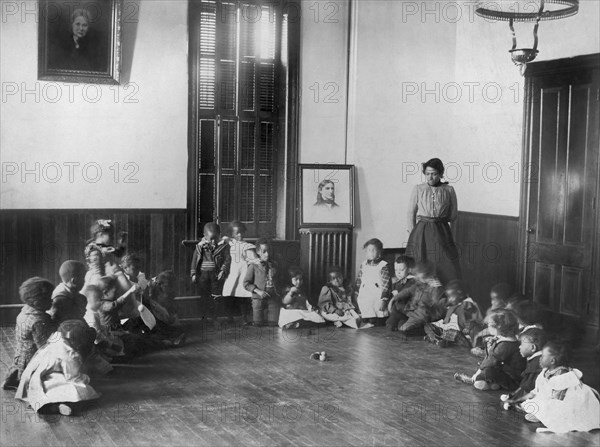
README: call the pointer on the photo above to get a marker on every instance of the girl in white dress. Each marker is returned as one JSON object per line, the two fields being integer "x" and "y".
{"x": 241, "y": 253}
{"x": 373, "y": 285}
{"x": 560, "y": 400}
{"x": 53, "y": 381}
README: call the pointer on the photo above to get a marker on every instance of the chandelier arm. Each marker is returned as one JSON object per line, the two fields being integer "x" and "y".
{"x": 514, "y": 36}
{"x": 537, "y": 25}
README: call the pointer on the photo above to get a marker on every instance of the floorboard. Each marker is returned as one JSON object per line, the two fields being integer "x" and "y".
{"x": 258, "y": 387}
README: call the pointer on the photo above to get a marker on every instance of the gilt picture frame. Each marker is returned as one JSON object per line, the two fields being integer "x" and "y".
{"x": 80, "y": 41}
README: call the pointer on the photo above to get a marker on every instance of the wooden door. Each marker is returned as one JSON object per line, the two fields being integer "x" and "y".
{"x": 561, "y": 188}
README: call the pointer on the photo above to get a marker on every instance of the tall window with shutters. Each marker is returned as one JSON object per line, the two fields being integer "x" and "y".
{"x": 238, "y": 67}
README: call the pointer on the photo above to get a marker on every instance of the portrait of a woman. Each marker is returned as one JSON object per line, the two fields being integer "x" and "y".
{"x": 77, "y": 47}
{"x": 432, "y": 207}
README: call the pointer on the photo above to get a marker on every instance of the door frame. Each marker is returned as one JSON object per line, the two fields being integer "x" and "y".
{"x": 535, "y": 69}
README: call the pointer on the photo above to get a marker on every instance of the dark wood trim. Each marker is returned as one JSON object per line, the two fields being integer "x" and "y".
{"x": 192, "y": 190}
{"x": 525, "y": 175}
{"x": 560, "y": 65}
{"x": 488, "y": 216}
{"x": 93, "y": 211}
{"x": 293, "y": 123}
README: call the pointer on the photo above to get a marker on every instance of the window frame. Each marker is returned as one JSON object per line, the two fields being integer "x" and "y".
{"x": 286, "y": 147}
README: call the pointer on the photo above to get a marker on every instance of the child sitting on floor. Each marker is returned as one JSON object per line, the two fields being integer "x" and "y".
{"x": 161, "y": 297}
{"x": 107, "y": 344}
{"x": 110, "y": 304}
{"x": 67, "y": 301}
{"x": 418, "y": 304}
{"x": 209, "y": 267}
{"x": 261, "y": 281}
{"x": 160, "y": 300}
{"x": 373, "y": 285}
{"x": 296, "y": 307}
{"x": 560, "y": 400}
{"x": 532, "y": 342}
{"x": 129, "y": 275}
{"x": 241, "y": 253}
{"x": 403, "y": 279}
{"x": 133, "y": 343}
{"x": 33, "y": 327}
{"x": 503, "y": 364}
{"x": 53, "y": 381}
{"x": 460, "y": 312}
{"x": 499, "y": 295}
{"x": 335, "y": 301}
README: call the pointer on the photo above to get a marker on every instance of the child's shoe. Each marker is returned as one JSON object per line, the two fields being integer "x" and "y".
{"x": 337, "y": 324}
{"x": 464, "y": 378}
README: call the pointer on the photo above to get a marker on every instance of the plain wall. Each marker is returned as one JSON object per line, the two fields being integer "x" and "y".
{"x": 323, "y": 77}
{"x": 143, "y": 123}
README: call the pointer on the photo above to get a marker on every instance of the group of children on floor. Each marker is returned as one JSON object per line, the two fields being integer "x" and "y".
{"x": 104, "y": 313}
{"x": 63, "y": 335}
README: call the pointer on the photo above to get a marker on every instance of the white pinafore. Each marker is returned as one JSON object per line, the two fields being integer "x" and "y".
{"x": 234, "y": 284}
{"x": 369, "y": 294}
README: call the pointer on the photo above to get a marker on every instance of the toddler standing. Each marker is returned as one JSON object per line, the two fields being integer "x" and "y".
{"x": 261, "y": 281}
{"x": 241, "y": 253}
{"x": 209, "y": 266}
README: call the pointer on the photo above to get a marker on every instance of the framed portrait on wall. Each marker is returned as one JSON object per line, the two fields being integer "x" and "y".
{"x": 326, "y": 195}
{"x": 79, "y": 41}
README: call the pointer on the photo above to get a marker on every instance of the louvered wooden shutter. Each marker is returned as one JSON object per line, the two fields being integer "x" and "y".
{"x": 238, "y": 66}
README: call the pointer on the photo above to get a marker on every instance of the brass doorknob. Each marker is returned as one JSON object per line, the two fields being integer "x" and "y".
{"x": 531, "y": 230}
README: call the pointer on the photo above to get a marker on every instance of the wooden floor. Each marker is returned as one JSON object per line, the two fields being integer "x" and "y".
{"x": 258, "y": 387}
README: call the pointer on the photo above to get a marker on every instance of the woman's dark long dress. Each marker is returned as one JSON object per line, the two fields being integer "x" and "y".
{"x": 432, "y": 208}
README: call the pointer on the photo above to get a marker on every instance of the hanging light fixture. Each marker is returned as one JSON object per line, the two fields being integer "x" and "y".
{"x": 526, "y": 11}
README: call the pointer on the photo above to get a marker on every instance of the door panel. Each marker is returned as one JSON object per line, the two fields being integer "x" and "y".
{"x": 562, "y": 150}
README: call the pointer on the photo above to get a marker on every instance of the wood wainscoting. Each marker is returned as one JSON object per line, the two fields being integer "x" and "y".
{"x": 489, "y": 248}
{"x": 37, "y": 242}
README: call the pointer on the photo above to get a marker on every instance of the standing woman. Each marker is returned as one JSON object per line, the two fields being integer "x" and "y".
{"x": 432, "y": 207}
